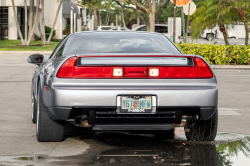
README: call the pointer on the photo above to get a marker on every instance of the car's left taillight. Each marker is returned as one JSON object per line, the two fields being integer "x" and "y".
{"x": 68, "y": 68}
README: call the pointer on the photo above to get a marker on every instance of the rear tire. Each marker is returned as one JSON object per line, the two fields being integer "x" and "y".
{"x": 210, "y": 35}
{"x": 203, "y": 130}
{"x": 47, "y": 130}
{"x": 34, "y": 109}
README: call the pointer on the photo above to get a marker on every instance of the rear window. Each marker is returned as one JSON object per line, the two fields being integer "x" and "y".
{"x": 113, "y": 42}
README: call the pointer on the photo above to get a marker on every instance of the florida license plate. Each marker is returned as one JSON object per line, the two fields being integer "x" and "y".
{"x": 137, "y": 104}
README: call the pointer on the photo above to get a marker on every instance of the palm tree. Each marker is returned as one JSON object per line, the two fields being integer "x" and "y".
{"x": 107, "y": 5}
{"x": 207, "y": 16}
{"x": 239, "y": 7}
{"x": 93, "y": 4}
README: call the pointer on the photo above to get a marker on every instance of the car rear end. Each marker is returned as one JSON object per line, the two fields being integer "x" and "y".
{"x": 138, "y": 91}
{"x": 115, "y": 93}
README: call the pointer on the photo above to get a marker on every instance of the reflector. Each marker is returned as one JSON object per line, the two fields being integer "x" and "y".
{"x": 118, "y": 71}
{"x": 153, "y": 72}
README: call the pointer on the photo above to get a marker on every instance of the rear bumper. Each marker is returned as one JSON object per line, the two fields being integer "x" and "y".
{"x": 178, "y": 94}
{"x": 104, "y": 92}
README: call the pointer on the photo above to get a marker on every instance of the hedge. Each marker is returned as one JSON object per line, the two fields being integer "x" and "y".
{"x": 219, "y": 54}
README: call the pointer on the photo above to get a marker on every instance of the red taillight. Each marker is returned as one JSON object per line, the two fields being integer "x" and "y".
{"x": 67, "y": 69}
{"x": 203, "y": 71}
{"x": 96, "y": 72}
{"x": 199, "y": 70}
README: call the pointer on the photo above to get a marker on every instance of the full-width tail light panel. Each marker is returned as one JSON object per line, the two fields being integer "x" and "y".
{"x": 70, "y": 70}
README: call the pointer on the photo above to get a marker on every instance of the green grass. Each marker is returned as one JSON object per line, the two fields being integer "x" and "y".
{"x": 15, "y": 45}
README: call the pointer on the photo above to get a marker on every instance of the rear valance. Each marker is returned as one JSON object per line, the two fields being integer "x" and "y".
{"x": 135, "y": 61}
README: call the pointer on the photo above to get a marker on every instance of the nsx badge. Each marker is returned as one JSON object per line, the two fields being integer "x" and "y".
{"x": 136, "y": 110}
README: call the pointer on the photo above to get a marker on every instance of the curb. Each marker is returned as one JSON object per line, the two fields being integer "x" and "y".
{"x": 26, "y": 52}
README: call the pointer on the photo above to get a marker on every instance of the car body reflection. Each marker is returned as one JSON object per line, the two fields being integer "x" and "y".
{"x": 146, "y": 150}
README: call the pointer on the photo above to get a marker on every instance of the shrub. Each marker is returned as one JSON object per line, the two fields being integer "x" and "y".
{"x": 66, "y": 31}
{"x": 47, "y": 32}
{"x": 219, "y": 54}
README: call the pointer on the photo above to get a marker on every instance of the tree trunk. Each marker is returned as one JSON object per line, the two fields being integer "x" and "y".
{"x": 148, "y": 25}
{"x": 187, "y": 23}
{"x": 17, "y": 24}
{"x": 123, "y": 21}
{"x": 34, "y": 25}
{"x": 241, "y": 13}
{"x": 152, "y": 17}
{"x": 39, "y": 27}
{"x": 43, "y": 37}
{"x": 183, "y": 25}
{"x": 247, "y": 31}
{"x": 161, "y": 8}
{"x": 95, "y": 19}
{"x": 100, "y": 18}
{"x": 106, "y": 21}
{"x": 223, "y": 30}
{"x": 26, "y": 21}
{"x": 40, "y": 31}
{"x": 31, "y": 20}
{"x": 53, "y": 27}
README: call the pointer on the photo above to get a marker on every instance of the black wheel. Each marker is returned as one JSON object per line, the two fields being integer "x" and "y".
{"x": 34, "y": 109}
{"x": 209, "y": 35}
{"x": 47, "y": 130}
{"x": 203, "y": 130}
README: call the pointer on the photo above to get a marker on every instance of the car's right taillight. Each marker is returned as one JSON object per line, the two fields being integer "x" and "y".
{"x": 199, "y": 70}
{"x": 203, "y": 70}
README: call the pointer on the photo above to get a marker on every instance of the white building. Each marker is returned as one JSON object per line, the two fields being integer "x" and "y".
{"x": 8, "y": 28}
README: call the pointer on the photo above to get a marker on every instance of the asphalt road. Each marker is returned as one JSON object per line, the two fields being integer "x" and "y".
{"x": 18, "y": 133}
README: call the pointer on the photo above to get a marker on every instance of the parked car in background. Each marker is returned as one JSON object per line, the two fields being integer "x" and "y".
{"x": 118, "y": 28}
{"x": 104, "y": 28}
{"x": 160, "y": 28}
{"x": 235, "y": 32}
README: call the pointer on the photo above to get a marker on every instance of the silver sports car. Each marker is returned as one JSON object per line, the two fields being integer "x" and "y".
{"x": 123, "y": 81}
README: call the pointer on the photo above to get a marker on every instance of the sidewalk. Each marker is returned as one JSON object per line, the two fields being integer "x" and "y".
{"x": 50, "y": 52}
{"x": 26, "y": 52}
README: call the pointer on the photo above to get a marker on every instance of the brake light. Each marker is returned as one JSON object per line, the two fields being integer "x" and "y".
{"x": 67, "y": 69}
{"x": 203, "y": 71}
{"x": 199, "y": 70}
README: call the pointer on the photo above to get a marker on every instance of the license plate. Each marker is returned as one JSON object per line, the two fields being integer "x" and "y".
{"x": 138, "y": 104}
